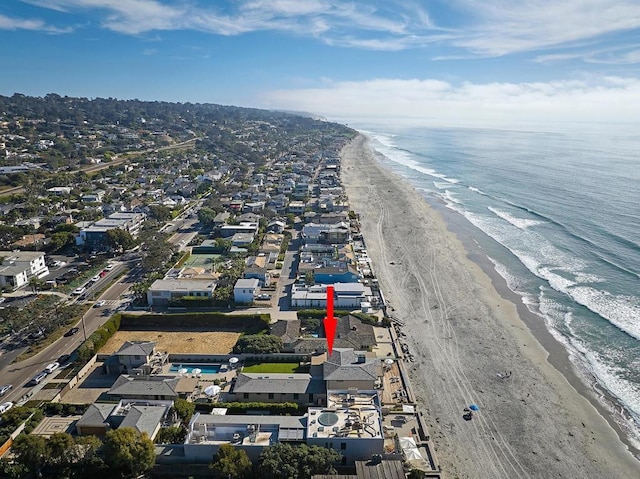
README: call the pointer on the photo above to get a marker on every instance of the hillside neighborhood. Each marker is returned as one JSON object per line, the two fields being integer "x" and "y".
{"x": 164, "y": 272}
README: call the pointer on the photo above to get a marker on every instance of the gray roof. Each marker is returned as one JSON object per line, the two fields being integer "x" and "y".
{"x": 246, "y": 283}
{"x": 277, "y": 383}
{"x": 350, "y": 333}
{"x": 343, "y": 365}
{"x": 136, "y": 348}
{"x": 183, "y": 285}
{"x": 382, "y": 470}
{"x": 96, "y": 414}
{"x": 288, "y": 330}
{"x": 289, "y": 422}
{"x": 353, "y": 331}
{"x": 144, "y": 386}
{"x": 144, "y": 418}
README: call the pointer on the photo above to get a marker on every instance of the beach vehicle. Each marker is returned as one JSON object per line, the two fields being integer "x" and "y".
{"x": 37, "y": 379}
{"x": 5, "y": 389}
{"x": 468, "y": 414}
{"x": 4, "y": 407}
{"x": 51, "y": 367}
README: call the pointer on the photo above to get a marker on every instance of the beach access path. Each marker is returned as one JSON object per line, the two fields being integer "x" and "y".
{"x": 463, "y": 334}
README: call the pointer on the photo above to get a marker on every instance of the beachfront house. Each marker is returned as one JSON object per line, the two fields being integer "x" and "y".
{"x": 351, "y": 423}
{"x": 347, "y": 369}
{"x": 249, "y": 433}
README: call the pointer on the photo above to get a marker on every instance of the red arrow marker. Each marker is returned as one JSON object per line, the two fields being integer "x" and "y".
{"x": 330, "y": 323}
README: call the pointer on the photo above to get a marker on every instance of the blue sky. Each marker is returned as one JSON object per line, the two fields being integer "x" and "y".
{"x": 429, "y": 61}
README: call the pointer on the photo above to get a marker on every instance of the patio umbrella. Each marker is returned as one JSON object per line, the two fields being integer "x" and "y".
{"x": 182, "y": 371}
{"x": 233, "y": 360}
{"x": 196, "y": 371}
{"x": 407, "y": 442}
{"x": 388, "y": 361}
{"x": 212, "y": 390}
{"x": 412, "y": 454}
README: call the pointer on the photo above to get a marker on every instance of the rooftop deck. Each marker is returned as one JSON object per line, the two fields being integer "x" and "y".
{"x": 347, "y": 415}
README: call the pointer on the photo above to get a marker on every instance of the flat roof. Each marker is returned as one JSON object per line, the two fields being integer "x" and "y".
{"x": 348, "y": 415}
{"x": 245, "y": 430}
{"x": 182, "y": 285}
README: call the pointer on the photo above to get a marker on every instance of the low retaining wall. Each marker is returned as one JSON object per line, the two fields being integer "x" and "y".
{"x": 76, "y": 379}
{"x": 224, "y": 358}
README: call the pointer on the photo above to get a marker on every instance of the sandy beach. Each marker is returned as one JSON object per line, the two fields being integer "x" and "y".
{"x": 463, "y": 333}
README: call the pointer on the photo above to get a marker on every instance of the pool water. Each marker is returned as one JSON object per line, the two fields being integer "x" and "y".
{"x": 205, "y": 368}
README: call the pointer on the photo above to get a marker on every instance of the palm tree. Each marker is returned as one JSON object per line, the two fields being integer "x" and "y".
{"x": 36, "y": 284}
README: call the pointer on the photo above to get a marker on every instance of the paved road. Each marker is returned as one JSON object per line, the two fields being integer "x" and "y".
{"x": 19, "y": 374}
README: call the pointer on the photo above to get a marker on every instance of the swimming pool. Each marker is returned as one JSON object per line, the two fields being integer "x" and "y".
{"x": 204, "y": 368}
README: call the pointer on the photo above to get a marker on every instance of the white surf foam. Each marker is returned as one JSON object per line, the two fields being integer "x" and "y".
{"x": 593, "y": 367}
{"x": 385, "y": 145}
{"x": 621, "y": 311}
{"x": 476, "y": 190}
{"x": 520, "y": 223}
{"x": 626, "y": 392}
{"x": 514, "y": 283}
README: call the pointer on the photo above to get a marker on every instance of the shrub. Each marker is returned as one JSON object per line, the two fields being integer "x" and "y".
{"x": 239, "y": 408}
{"x": 258, "y": 344}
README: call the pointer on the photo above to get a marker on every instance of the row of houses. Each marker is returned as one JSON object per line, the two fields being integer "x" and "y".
{"x": 340, "y": 392}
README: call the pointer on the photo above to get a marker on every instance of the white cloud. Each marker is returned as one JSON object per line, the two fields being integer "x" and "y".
{"x": 480, "y": 27}
{"x": 9, "y": 23}
{"x": 608, "y": 99}
{"x": 506, "y": 26}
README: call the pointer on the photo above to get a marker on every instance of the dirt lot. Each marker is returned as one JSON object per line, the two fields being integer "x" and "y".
{"x": 196, "y": 342}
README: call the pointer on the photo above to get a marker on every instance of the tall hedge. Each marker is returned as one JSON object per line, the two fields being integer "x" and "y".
{"x": 99, "y": 337}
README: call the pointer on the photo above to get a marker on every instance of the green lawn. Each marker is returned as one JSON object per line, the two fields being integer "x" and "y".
{"x": 274, "y": 368}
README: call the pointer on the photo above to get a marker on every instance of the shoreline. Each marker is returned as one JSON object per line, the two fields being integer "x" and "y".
{"x": 558, "y": 355}
{"x": 466, "y": 324}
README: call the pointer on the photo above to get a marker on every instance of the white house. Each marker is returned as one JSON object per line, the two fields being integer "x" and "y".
{"x": 346, "y": 295}
{"x": 18, "y": 266}
{"x": 163, "y": 291}
{"x": 351, "y": 424}
{"x": 245, "y": 290}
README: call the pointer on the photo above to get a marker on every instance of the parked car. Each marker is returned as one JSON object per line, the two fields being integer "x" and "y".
{"x": 2, "y": 300}
{"x": 264, "y": 297}
{"x": 96, "y": 278}
{"x": 4, "y": 407}
{"x": 108, "y": 267}
{"x": 64, "y": 358}
{"x": 51, "y": 367}
{"x": 71, "y": 332}
{"x": 37, "y": 379}
{"x": 5, "y": 389}
{"x": 99, "y": 303}
{"x": 78, "y": 291}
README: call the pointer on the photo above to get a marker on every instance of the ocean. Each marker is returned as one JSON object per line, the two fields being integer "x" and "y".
{"x": 558, "y": 213}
